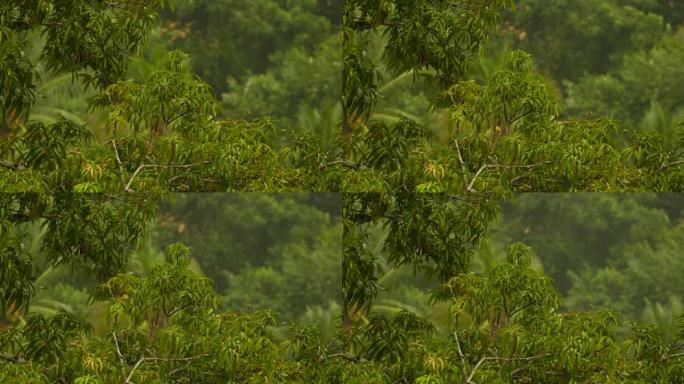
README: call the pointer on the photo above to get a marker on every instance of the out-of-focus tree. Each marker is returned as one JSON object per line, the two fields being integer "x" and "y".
{"x": 576, "y": 231}
{"x": 643, "y": 92}
{"x": 299, "y": 82}
{"x": 298, "y": 279}
{"x": 230, "y": 232}
{"x": 571, "y": 38}
{"x": 645, "y": 276}
{"x": 672, "y": 11}
{"x": 231, "y": 39}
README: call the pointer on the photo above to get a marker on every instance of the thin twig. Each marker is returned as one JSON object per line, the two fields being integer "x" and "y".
{"x": 667, "y": 165}
{"x": 116, "y": 152}
{"x": 143, "y": 359}
{"x": 527, "y": 358}
{"x": 173, "y": 312}
{"x": 178, "y": 117}
{"x": 127, "y": 187}
{"x": 12, "y": 358}
{"x": 460, "y": 352}
{"x": 346, "y": 163}
{"x": 130, "y": 181}
{"x": 472, "y": 373}
{"x": 347, "y": 356}
{"x": 494, "y": 358}
{"x": 118, "y": 350}
{"x": 463, "y": 165}
{"x": 10, "y": 165}
{"x": 130, "y": 374}
{"x": 469, "y": 188}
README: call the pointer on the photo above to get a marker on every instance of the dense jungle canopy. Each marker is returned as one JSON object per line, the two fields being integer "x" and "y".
{"x": 403, "y": 152}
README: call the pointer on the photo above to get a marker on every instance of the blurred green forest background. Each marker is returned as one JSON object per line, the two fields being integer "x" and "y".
{"x": 280, "y": 252}
{"x": 623, "y": 252}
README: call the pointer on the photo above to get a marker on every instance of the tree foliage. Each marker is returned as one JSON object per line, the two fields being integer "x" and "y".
{"x": 571, "y": 39}
{"x": 166, "y": 328}
{"x": 244, "y": 35}
{"x": 503, "y": 133}
{"x": 420, "y": 192}
{"x": 641, "y": 92}
{"x": 163, "y": 130}
{"x": 505, "y": 327}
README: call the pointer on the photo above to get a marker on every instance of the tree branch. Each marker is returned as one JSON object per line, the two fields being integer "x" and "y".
{"x": 11, "y": 358}
{"x": 116, "y": 152}
{"x": 346, "y": 356}
{"x": 178, "y": 117}
{"x": 130, "y": 181}
{"x": 469, "y": 188}
{"x": 11, "y": 165}
{"x": 143, "y": 359}
{"x": 118, "y": 350}
{"x": 463, "y": 165}
{"x": 174, "y": 311}
{"x": 127, "y": 187}
{"x": 460, "y": 352}
{"x": 346, "y": 163}
{"x": 469, "y": 380}
{"x": 667, "y": 165}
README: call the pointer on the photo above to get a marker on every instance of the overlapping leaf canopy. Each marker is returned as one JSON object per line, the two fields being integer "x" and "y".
{"x": 433, "y": 194}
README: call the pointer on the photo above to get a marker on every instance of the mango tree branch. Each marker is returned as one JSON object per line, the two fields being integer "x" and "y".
{"x": 143, "y": 359}
{"x": 463, "y": 165}
{"x": 127, "y": 187}
{"x": 118, "y": 350}
{"x": 469, "y": 187}
{"x": 11, "y": 165}
{"x": 460, "y": 352}
{"x": 667, "y": 165}
{"x": 469, "y": 380}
